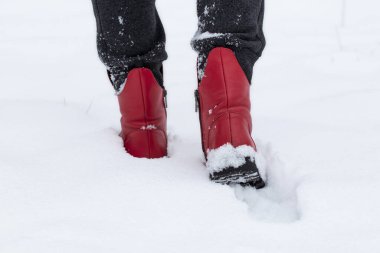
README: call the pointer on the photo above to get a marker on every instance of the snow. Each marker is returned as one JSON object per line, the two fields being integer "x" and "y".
{"x": 227, "y": 156}
{"x": 207, "y": 35}
{"x": 148, "y": 127}
{"x": 121, "y": 20}
{"x": 66, "y": 184}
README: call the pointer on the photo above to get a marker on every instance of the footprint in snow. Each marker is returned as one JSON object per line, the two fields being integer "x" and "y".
{"x": 277, "y": 202}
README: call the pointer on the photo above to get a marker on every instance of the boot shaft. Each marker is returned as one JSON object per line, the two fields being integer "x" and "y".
{"x": 224, "y": 101}
{"x": 143, "y": 121}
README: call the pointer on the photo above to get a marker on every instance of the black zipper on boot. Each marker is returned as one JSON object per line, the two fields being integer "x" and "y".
{"x": 198, "y": 109}
{"x": 165, "y": 98}
{"x": 196, "y": 95}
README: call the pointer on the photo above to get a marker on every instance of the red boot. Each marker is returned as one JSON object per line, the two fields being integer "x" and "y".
{"x": 226, "y": 125}
{"x": 143, "y": 121}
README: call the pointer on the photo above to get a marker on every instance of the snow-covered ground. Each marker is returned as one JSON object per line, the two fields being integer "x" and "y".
{"x": 66, "y": 184}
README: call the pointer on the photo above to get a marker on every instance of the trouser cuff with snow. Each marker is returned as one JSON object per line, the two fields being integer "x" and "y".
{"x": 130, "y": 34}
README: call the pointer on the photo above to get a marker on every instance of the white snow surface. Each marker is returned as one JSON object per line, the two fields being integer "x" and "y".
{"x": 66, "y": 184}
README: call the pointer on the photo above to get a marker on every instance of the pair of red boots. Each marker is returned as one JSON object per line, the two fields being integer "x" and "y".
{"x": 224, "y": 111}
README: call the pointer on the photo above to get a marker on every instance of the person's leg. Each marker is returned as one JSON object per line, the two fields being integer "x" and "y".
{"x": 234, "y": 24}
{"x": 131, "y": 43}
{"x": 229, "y": 41}
{"x": 129, "y": 35}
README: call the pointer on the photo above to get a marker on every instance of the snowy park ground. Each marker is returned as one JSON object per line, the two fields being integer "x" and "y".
{"x": 66, "y": 184}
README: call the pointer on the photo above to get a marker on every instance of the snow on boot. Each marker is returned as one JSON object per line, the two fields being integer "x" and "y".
{"x": 142, "y": 105}
{"x": 224, "y": 110}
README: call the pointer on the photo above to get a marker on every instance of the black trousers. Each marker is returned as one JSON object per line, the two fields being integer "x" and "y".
{"x": 130, "y": 34}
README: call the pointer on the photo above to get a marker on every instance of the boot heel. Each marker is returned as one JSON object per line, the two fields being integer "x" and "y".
{"x": 146, "y": 144}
